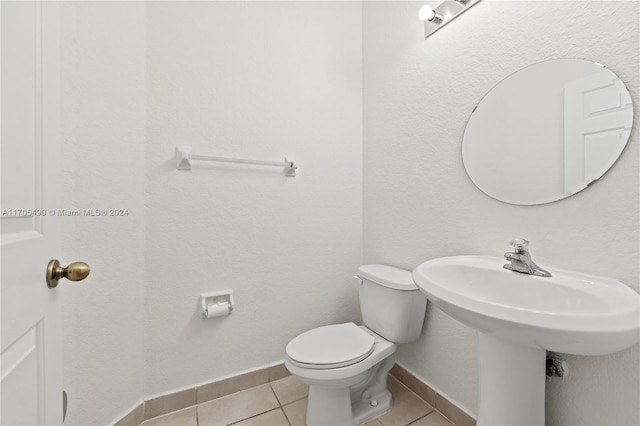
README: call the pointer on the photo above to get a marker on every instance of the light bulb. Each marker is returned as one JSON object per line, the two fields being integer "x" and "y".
{"x": 426, "y": 13}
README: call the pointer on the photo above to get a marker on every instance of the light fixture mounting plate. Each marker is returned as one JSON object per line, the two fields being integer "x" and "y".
{"x": 449, "y": 10}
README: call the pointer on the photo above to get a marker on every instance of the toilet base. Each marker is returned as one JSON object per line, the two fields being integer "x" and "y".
{"x": 328, "y": 406}
{"x": 351, "y": 405}
{"x": 364, "y": 411}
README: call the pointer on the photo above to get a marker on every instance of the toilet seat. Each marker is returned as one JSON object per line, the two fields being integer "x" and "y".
{"x": 331, "y": 346}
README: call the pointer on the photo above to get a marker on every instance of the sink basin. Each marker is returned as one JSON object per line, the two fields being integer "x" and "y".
{"x": 519, "y": 317}
{"x": 568, "y": 312}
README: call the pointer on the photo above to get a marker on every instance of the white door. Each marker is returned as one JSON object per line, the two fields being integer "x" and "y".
{"x": 31, "y": 387}
{"x": 597, "y": 122}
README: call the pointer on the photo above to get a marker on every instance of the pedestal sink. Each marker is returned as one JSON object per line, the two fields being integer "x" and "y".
{"x": 519, "y": 317}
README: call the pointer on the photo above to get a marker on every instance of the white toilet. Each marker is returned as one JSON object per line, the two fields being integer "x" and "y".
{"x": 346, "y": 365}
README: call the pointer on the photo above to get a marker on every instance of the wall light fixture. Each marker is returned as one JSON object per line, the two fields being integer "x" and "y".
{"x": 447, "y": 11}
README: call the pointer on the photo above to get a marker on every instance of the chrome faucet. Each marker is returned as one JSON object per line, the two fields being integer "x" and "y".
{"x": 521, "y": 259}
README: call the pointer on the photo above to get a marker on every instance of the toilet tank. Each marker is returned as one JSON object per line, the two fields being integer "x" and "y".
{"x": 391, "y": 303}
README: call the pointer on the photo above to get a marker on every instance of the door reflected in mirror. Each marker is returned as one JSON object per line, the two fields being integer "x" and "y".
{"x": 547, "y": 131}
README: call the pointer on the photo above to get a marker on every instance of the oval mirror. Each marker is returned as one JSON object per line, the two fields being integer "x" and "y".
{"x": 547, "y": 131}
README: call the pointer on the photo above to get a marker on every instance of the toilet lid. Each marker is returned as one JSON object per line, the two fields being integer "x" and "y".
{"x": 332, "y": 346}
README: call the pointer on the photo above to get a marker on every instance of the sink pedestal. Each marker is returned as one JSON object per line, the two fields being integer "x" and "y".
{"x": 511, "y": 383}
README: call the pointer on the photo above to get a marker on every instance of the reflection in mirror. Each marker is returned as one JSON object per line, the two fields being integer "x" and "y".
{"x": 547, "y": 131}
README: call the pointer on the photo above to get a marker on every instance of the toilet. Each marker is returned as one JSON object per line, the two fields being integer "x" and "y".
{"x": 346, "y": 365}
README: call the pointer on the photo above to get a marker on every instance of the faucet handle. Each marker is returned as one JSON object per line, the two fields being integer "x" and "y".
{"x": 520, "y": 245}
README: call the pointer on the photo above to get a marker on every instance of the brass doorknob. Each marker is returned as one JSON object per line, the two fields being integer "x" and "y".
{"x": 75, "y": 272}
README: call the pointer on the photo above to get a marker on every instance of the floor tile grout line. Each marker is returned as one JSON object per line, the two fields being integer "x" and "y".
{"x": 295, "y": 400}
{"x": 287, "y": 403}
{"x": 280, "y": 403}
{"x": 420, "y": 398}
{"x": 256, "y": 415}
{"x": 421, "y": 417}
{"x": 246, "y": 418}
{"x": 275, "y": 394}
{"x": 435, "y": 410}
{"x": 285, "y": 416}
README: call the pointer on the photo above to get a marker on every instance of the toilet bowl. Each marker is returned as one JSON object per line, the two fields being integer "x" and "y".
{"x": 346, "y": 365}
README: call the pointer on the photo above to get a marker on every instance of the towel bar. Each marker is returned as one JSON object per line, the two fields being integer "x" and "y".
{"x": 184, "y": 157}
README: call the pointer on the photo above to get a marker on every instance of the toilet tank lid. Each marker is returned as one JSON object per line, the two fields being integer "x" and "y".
{"x": 388, "y": 276}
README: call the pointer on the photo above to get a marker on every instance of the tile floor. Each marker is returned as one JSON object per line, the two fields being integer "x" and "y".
{"x": 284, "y": 402}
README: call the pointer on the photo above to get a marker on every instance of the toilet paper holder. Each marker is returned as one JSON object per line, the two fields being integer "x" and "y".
{"x": 216, "y": 304}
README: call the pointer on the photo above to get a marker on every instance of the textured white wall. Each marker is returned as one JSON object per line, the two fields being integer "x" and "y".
{"x": 103, "y": 125}
{"x": 419, "y": 203}
{"x": 251, "y": 80}
{"x": 239, "y": 79}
